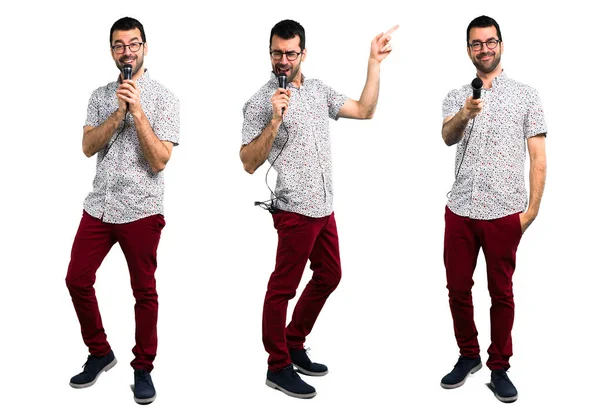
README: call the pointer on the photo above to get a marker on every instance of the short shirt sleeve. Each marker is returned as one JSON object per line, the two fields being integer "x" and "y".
{"x": 93, "y": 111}
{"x": 256, "y": 117}
{"x": 534, "y": 123}
{"x": 452, "y": 103}
{"x": 335, "y": 101}
{"x": 166, "y": 124}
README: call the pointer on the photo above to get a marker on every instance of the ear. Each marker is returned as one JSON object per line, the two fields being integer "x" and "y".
{"x": 145, "y": 49}
{"x": 303, "y": 54}
{"x": 469, "y": 52}
{"x": 501, "y": 48}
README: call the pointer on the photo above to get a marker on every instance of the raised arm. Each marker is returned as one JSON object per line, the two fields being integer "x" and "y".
{"x": 364, "y": 108}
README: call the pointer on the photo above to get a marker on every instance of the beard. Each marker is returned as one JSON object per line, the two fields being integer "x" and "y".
{"x": 489, "y": 66}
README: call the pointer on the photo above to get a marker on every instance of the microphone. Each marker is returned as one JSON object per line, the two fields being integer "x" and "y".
{"x": 127, "y": 72}
{"x": 476, "y": 84}
{"x": 282, "y": 80}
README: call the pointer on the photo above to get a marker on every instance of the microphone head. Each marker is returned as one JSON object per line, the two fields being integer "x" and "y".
{"x": 282, "y": 79}
{"x": 477, "y": 83}
{"x": 127, "y": 72}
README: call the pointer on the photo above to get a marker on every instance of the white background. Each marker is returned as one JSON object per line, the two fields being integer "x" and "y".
{"x": 386, "y": 332}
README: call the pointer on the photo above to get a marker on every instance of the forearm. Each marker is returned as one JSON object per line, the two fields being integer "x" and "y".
{"x": 453, "y": 129}
{"x": 97, "y": 138}
{"x": 370, "y": 94}
{"x": 537, "y": 181}
{"x": 254, "y": 154}
{"x": 153, "y": 149}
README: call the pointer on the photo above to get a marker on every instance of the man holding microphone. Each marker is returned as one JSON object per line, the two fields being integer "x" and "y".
{"x": 488, "y": 206}
{"x": 289, "y": 127}
{"x": 132, "y": 126}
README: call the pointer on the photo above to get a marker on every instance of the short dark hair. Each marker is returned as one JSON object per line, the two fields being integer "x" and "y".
{"x": 288, "y": 29}
{"x": 127, "y": 23}
{"x": 484, "y": 22}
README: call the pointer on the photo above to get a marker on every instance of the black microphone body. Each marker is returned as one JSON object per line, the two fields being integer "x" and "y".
{"x": 127, "y": 72}
{"x": 477, "y": 84}
{"x": 282, "y": 80}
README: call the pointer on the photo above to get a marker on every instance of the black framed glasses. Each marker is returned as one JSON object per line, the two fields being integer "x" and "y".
{"x": 290, "y": 55}
{"x": 133, "y": 47}
{"x": 491, "y": 44}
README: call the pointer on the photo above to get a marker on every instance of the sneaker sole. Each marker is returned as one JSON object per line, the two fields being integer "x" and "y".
{"x": 92, "y": 382}
{"x": 504, "y": 399}
{"x": 144, "y": 401}
{"x": 461, "y": 383}
{"x": 309, "y": 373}
{"x": 273, "y": 385}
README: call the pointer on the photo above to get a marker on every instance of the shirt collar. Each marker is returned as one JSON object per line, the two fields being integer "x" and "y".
{"x": 499, "y": 79}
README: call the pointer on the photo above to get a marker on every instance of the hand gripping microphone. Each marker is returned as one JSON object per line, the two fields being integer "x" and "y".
{"x": 282, "y": 80}
{"x": 476, "y": 84}
{"x": 127, "y": 72}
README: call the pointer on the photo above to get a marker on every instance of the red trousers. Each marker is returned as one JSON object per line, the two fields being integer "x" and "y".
{"x": 301, "y": 238}
{"x": 139, "y": 242}
{"x": 499, "y": 239}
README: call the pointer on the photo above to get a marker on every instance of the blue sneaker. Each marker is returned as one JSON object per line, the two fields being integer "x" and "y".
{"x": 461, "y": 371}
{"x": 304, "y": 365}
{"x": 92, "y": 369}
{"x": 289, "y": 382}
{"x": 504, "y": 389}
{"x": 143, "y": 388}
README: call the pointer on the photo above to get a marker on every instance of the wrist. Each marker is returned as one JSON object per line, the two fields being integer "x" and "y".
{"x": 464, "y": 115}
{"x": 373, "y": 62}
{"x": 136, "y": 113}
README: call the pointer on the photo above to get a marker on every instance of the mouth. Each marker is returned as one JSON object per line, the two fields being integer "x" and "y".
{"x": 127, "y": 61}
{"x": 284, "y": 70}
{"x": 486, "y": 57}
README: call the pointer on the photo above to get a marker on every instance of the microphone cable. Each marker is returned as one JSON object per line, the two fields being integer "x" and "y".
{"x": 271, "y": 204}
{"x": 463, "y": 155}
{"x": 111, "y": 143}
{"x": 466, "y": 147}
{"x": 126, "y": 74}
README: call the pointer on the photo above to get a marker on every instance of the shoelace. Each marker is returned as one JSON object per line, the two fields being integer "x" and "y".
{"x": 306, "y": 349}
{"x": 84, "y": 366}
{"x": 462, "y": 361}
{"x": 501, "y": 375}
{"x": 143, "y": 376}
{"x": 293, "y": 372}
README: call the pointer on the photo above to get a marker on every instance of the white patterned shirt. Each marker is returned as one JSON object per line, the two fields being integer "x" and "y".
{"x": 125, "y": 188}
{"x": 304, "y": 167}
{"x": 491, "y": 180}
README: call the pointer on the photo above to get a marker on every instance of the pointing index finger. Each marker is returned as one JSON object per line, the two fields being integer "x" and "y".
{"x": 392, "y": 30}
